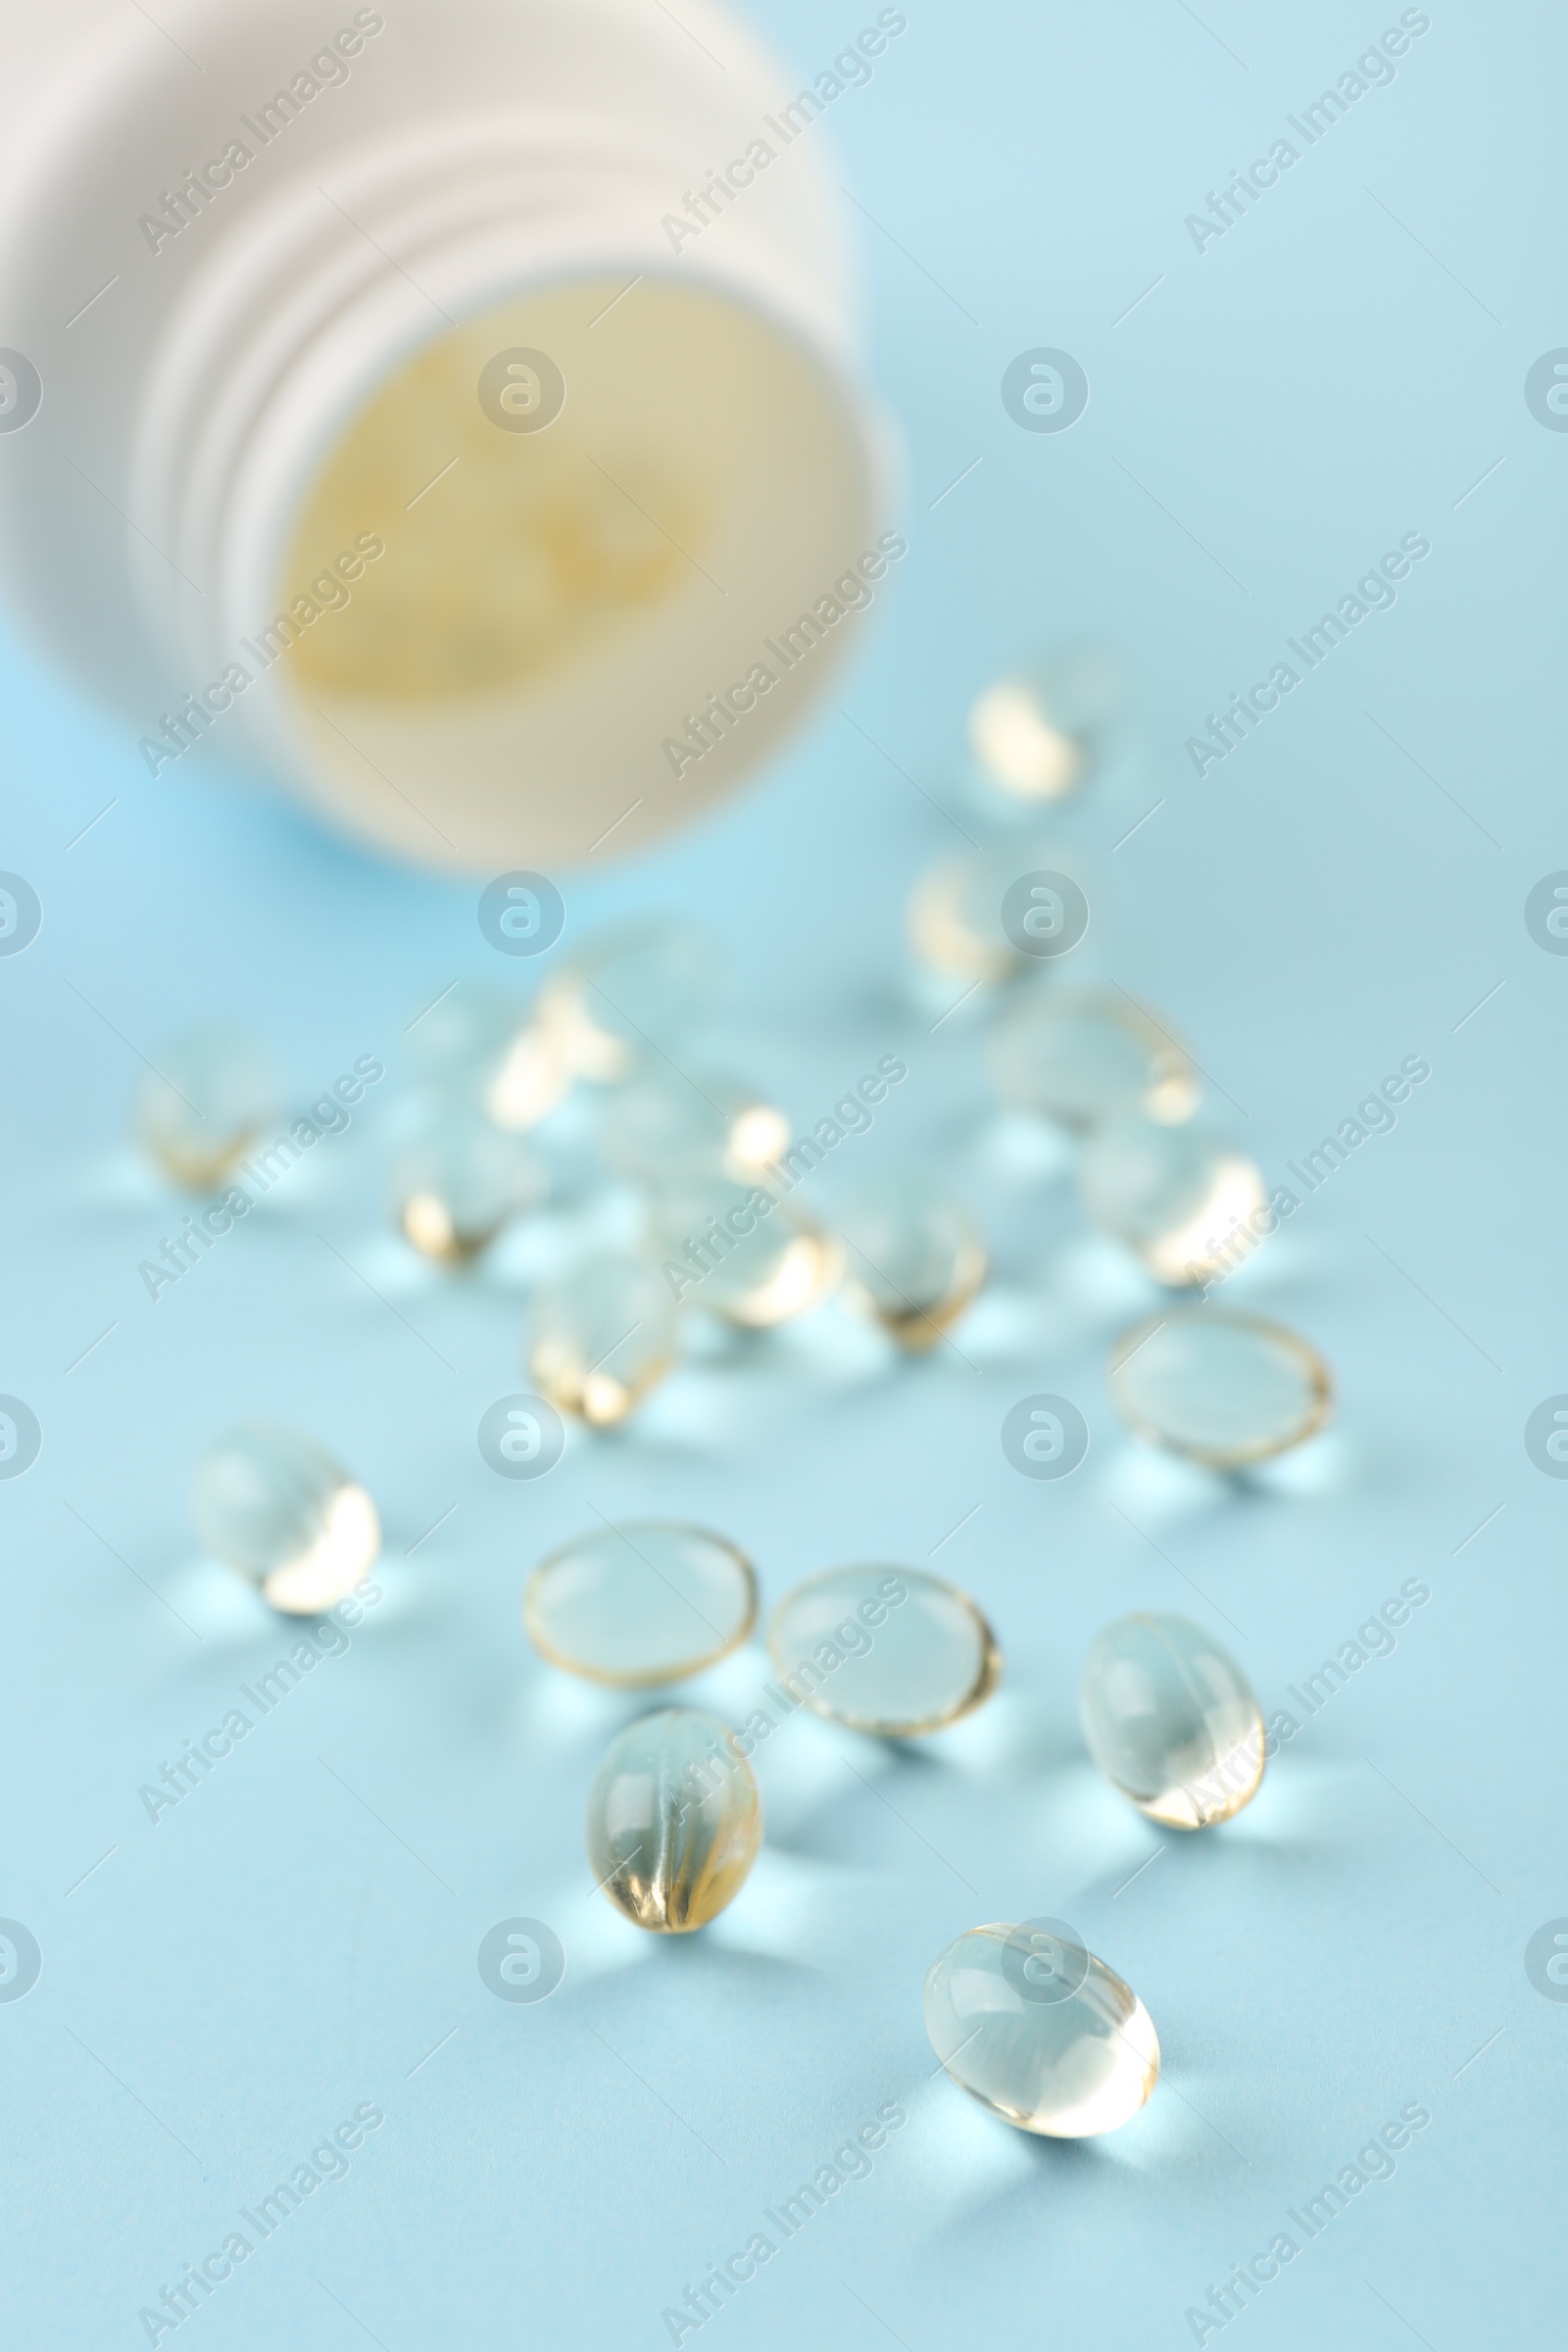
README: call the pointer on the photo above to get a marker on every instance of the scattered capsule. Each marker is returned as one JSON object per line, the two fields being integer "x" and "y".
{"x": 674, "y": 1820}
{"x": 271, "y": 1503}
{"x": 1040, "y": 733}
{"x": 890, "y": 1650}
{"x": 479, "y": 1043}
{"x": 993, "y": 914}
{"x": 649, "y": 1603}
{"x": 1040, "y": 2030}
{"x": 915, "y": 1255}
{"x": 530, "y": 1079}
{"x": 1191, "y": 1205}
{"x": 1084, "y": 1058}
{"x": 600, "y": 1337}
{"x": 626, "y": 992}
{"x": 666, "y": 1123}
{"x": 731, "y": 1248}
{"x": 1223, "y": 1389}
{"x": 212, "y": 1097}
{"x": 457, "y": 1185}
{"x": 1171, "y": 1720}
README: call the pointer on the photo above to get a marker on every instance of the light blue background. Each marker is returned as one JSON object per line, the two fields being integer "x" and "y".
{"x": 231, "y": 1982}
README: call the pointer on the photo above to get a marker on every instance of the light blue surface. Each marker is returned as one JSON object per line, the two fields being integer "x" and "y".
{"x": 292, "y": 1940}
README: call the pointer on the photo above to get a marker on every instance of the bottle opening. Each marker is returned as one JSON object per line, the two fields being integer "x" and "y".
{"x": 570, "y": 572}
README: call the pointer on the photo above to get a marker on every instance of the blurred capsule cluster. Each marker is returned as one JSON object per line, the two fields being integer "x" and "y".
{"x": 664, "y": 1190}
{"x": 1013, "y": 921}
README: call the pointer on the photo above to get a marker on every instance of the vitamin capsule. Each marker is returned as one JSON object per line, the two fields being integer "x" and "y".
{"x": 1040, "y": 733}
{"x": 890, "y": 1650}
{"x": 649, "y": 1603}
{"x": 628, "y": 993}
{"x": 915, "y": 1255}
{"x": 1066, "y": 2051}
{"x": 1171, "y": 1720}
{"x": 481, "y": 1043}
{"x": 990, "y": 915}
{"x": 1191, "y": 1206}
{"x": 666, "y": 1123}
{"x": 457, "y": 1185}
{"x": 1083, "y": 1058}
{"x": 212, "y": 1097}
{"x": 600, "y": 1337}
{"x": 271, "y": 1503}
{"x": 674, "y": 1820}
{"x": 1223, "y": 1389}
{"x": 732, "y": 1248}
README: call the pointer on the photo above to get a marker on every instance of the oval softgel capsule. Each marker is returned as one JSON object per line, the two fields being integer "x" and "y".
{"x": 1171, "y": 1720}
{"x": 1040, "y": 2032}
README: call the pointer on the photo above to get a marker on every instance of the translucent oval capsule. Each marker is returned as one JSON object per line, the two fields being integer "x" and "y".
{"x": 480, "y": 1043}
{"x": 626, "y": 992}
{"x": 734, "y": 1250}
{"x": 913, "y": 1254}
{"x": 666, "y": 1123}
{"x": 1190, "y": 1204}
{"x": 674, "y": 1820}
{"x": 213, "y": 1096}
{"x": 1066, "y": 2051}
{"x": 1171, "y": 1720}
{"x": 991, "y": 913}
{"x": 531, "y": 1077}
{"x": 1083, "y": 1058}
{"x": 455, "y": 1185}
{"x": 600, "y": 1337}
{"x": 649, "y": 1603}
{"x": 273, "y": 1504}
{"x": 1223, "y": 1389}
{"x": 890, "y": 1650}
{"x": 1039, "y": 733}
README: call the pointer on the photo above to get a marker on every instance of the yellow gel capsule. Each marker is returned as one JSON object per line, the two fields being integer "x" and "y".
{"x": 674, "y": 1820}
{"x": 733, "y": 1249}
{"x": 1171, "y": 1720}
{"x": 1223, "y": 1389}
{"x": 1084, "y": 1058}
{"x": 1191, "y": 1206}
{"x": 273, "y": 1504}
{"x": 600, "y": 1337}
{"x": 461, "y": 1180}
{"x": 916, "y": 1256}
{"x": 651, "y": 1601}
{"x": 1040, "y": 732}
{"x": 213, "y": 1096}
{"x": 993, "y": 914}
{"x": 671, "y": 1121}
{"x": 888, "y": 1650}
{"x": 1040, "y": 2032}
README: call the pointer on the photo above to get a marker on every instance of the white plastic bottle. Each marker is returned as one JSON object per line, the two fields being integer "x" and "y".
{"x": 449, "y": 407}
